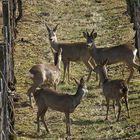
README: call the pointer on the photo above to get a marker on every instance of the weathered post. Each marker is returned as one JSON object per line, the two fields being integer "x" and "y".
{"x": 136, "y": 6}
{"x": 6, "y": 70}
{"x": 6, "y": 64}
{"x": 1, "y": 109}
{"x": 1, "y": 92}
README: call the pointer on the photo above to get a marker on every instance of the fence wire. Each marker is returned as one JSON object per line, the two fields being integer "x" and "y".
{"x": 7, "y": 118}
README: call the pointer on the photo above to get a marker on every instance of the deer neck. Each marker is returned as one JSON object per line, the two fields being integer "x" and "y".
{"x": 78, "y": 95}
{"x": 54, "y": 45}
{"x": 94, "y": 46}
{"x": 103, "y": 76}
{"x": 93, "y": 51}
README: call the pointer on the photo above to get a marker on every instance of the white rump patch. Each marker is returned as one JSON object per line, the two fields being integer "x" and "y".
{"x": 135, "y": 51}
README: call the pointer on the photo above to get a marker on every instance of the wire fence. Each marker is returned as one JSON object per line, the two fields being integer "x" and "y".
{"x": 7, "y": 77}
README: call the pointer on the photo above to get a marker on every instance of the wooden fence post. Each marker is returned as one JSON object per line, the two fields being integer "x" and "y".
{"x": 6, "y": 66}
{"x": 1, "y": 91}
{"x": 1, "y": 109}
{"x": 136, "y": 21}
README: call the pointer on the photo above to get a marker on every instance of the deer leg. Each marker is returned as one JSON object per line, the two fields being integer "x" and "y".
{"x": 88, "y": 65}
{"x": 43, "y": 120}
{"x": 136, "y": 66}
{"x": 68, "y": 70}
{"x": 40, "y": 113}
{"x": 38, "y": 124}
{"x": 89, "y": 75}
{"x": 107, "y": 101}
{"x": 119, "y": 109}
{"x": 131, "y": 74}
{"x": 126, "y": 103}
{"x": 65, "y": 68}
{"x": 114, "y": 108}
{"x": 37, "y": 81}
{"x": 93, "y": 64}
{"x": 31, "y": 90}
{"x": 67, "y": 115}
{"x": 123, "y": 73}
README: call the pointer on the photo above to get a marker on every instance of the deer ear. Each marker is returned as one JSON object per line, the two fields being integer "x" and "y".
{"x": 48, "y": 28}
{"x": 94, "y": 35}
{"x": 92, "y": 32}
{"x": 82, "y": 80}
{"x": 55, "y": 28}
{"x": 85, "y": 34}
{"x": 76, "y": 81}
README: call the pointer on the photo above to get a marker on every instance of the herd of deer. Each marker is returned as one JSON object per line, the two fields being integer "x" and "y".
{"x": 95, "y": 60}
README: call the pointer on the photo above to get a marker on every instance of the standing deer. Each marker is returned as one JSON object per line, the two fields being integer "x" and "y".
{"x": 41, "y": 73}
{"x": 71, "y": 52}
{"x": 121, "y": 53}
{"x": 112, "y": 89}
{"x": 66, "y": 103}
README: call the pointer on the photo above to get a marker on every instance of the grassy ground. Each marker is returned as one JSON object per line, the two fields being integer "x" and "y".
{"x": 32, "y": 46}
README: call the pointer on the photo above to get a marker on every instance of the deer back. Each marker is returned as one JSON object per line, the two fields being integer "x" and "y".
{"x": 114, "y": 54}
{"x": 74, "y": 51}
{"x": 42, "y": 72}
{"x": 115, "y": 89}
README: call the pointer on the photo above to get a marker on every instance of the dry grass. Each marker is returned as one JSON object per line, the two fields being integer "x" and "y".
{"x": 75, "y": 16}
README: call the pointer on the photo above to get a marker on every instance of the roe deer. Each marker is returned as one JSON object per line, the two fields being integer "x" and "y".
{"x": 121, "y": 53}
{"x": 71, "y": 52}
{"x": 41, "y": 73}
{"x": 66, "y": 103}
{"x": 112, "y": 89}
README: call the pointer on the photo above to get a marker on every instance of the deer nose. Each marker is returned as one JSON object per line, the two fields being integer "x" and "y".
{"x": 51, "y": 39}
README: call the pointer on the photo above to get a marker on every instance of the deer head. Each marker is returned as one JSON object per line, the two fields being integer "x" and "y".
{"x": 52, "y": 33}
{"x": 101, "y": 67}
{"x": 90, "y": 37}
{"x": 82, "y": 84}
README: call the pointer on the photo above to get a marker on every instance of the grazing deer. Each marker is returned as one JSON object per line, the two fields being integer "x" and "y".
{"x": 66, "y": 103}
{"x": 71, "y": 52}
{"x": 41, "y": 73}
{"x": 112, "y": 89}
{"x": 121, "y": 53}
